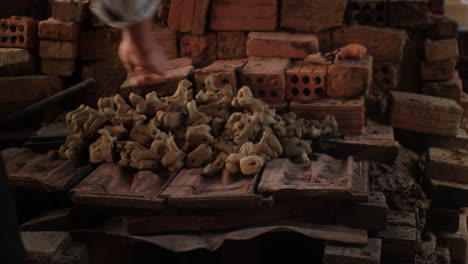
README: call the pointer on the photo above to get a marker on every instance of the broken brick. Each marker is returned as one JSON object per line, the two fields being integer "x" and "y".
{"x": 265, "y": 77}
{"x": 440, "y": 161}
{"x": 18, "y": 32}
{"x": 167, "y": 39}
{"x": 312, "y": 16}
{"x": 30, "y": 88}
{"x": 224, "y": 71}
{"x": 59, "y": 67}
{"x": 367, "y": 12}
{"x": 99, "y": 43}
{"x": 384, "y": 44}
{"x": 451, "y": 89}
{"x": 244, "y": 15}
{"x": 53, "y": 49}
{"x": 349, "y": 78}
{"x": 281, "y": 44}
{"x": 425, "y": 114}
{"x": 437, "y": 50}
{"x": 412, "y": 14}
{"x": 231, "y": 44}
{"x": 377, "y": 143}
{"x": 188, "y": 16}
{"x": 353, "y": 254}
{"x": 59, "y": 30}
{"x": 350, "y": 114}
{"x": 370, "y": 215}
{"x": 305, "y": 81}
{"x": 68, "y": 10}
{"x": 442, "y": 27}
{"x": 437, "y": 70}
{"x": 201, "y": 49}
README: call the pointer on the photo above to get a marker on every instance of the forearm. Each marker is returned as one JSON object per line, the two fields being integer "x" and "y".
{"x": 140, "y": 34}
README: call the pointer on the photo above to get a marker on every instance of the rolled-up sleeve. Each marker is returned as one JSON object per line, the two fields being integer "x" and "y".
{"x": 122, "y": 13}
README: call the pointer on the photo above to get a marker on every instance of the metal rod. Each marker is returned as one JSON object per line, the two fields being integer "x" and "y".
{"x": 34, "y": 108}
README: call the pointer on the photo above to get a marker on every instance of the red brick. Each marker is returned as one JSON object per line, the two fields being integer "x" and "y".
{"x": 224, "y": 71}
{"x": 265, "y": 77}
{"x": 440, "y": 161}
{"x": 384, "y": 44}
{"x": 451, "y": 89}
{"x": 59, "y": 67}
{"x": 166, "y": 85}
{"x": 53, "y": 49}
{"x": 385, "y": 76}
{"x": 413, "y": 14}
{"x": 59, "y": 30}
{"x": 425, "y": 114}
{"x": 437, "y": 50}
{"x": 367, "y": 12}
{"x": 350, "y": 114}
{"x": 244, "y": 15}
{"x": 281, "y": 44}
{"x": 99, "y": 43}
{"x": 305, "y": 81}
{"x": 442, "y": 27}
{"x": 68, "y": 10}
{"x": 18, "y": 32}
{"x": 166, "y": 38}
{"x": 349, "y": 78}
{"x": 188, "y": 16}
{"x": 312, "y": 16}
{"x": 437, "y": 70}
{"x": 28, "y": 89}
{"x": 201, "y": 49}
{"x": 232, "y": 44}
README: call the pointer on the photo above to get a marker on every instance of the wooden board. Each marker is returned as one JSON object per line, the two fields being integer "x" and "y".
{"x": 42, "y": 172}
{"x": 325, "y": 177}
{"x": 112, "y": 186}
{"x": 191, "y": 190}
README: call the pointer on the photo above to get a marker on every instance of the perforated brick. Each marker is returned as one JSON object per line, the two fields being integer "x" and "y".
{"x": 305, "y": 81}
{"x": 385, "y": 76}
{"x": 18, "y": 32}
{"x": 367, "y": 12}
{"x": 265, "y": 77}
{"x": 231, "y": 44}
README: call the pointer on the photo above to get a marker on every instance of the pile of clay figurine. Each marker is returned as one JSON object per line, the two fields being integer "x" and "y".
{"x": 215, "y": 130}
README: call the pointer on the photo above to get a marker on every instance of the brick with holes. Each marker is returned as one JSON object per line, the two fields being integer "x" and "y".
{"x": 18, "y": 32}
{"x": 412, "y": 14}
{"x": 350, "y": 113}
{"x": 281, "y": 44}
{"x": 349, "y": 78}
{"x": 66, "y": 68}
{"x": 231, "y": 44}
{"x": 201, "y": 49}
{"x": 67, "y": 10}
{"x": 451, "y": 88}
{"x": 166, "y": 38}
{"x": 224, "y": 71}
{"x": 305, "y": 81}
{"x": 265, "y": 77}
{"x": 244, "y": 15}
{"x": 312, "y": 16}
{"x": 385, "y": 76}
{"x": 59, "y": 30}
{"x": 367, "y": 12}
{"x": 437, "y": 50}
{"x": 437, "y": 70}
{"x": 425, "y": 114}
{"x": 53, "y": 49}
{"x": 384, "y": 44}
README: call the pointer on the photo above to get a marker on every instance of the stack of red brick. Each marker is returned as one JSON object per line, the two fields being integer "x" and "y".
{"x": 19, "y": 83}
